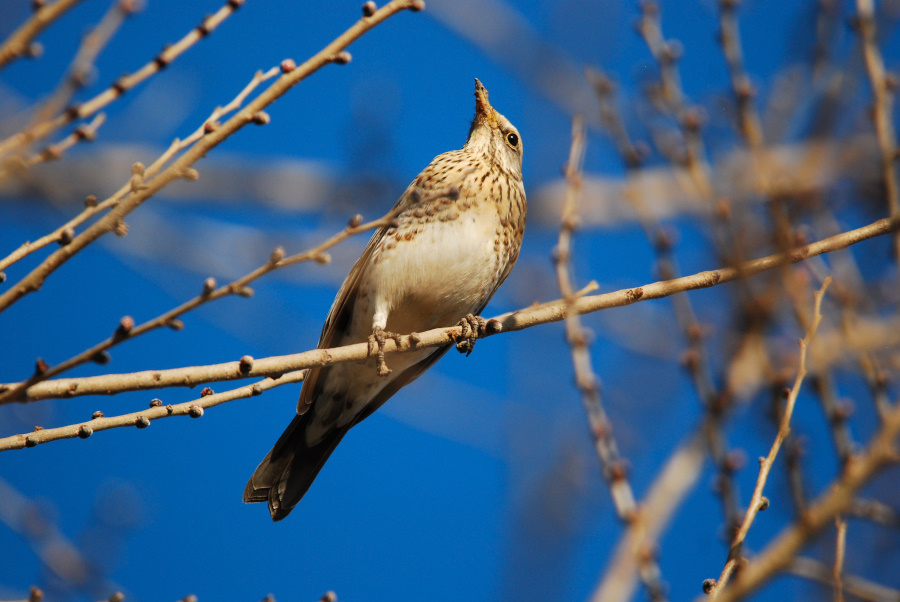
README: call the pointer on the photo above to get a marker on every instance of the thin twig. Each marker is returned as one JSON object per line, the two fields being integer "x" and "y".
{"x": 612, "y": 464}
{"x": 91, "y": 46}
{"x": 553, "y": 311}
{"x": 126, "y": 330}
{"x": 853, "y": 585}
{"x": 730, "y": 40}
{"x": 696, "y": 358}
{"x": 836, "y": 412}
{"x": 689, "y": 119}
{"x": 93, "y": 207}
{"x": 18, "y": 43}
{"x": 757, "y": 502}
{"x": 882, "y": 112}
{"x": 793, "y": 456}
{"x": 86, "y": 132}
{"x": 839, "y": 549}
{"x": 142, "y": 190}
{"x": 156, "y": 411}
{"x": 76, "y": 77}
{"x": 42, "y": 129}
{"x": 669, "y": 489}
{"x": 838, "y": 497}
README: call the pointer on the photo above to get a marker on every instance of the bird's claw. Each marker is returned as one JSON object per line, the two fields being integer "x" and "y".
{"x": 376, "y": 348}
{"x": 473, "y": 327}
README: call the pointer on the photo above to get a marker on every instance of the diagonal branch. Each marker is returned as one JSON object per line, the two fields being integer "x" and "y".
{"x": 142, "y": 419}
{"x": 42, "y": 129}
{"x": 17, "y": 44}
{"x": 554, "y": 311}
{"x": 836, "y": 500}
{"x": 93, "y": 207}
{"x": 758, "y": 502}
{"x": 182, "y": 167}
{"x": 126, "y": 330}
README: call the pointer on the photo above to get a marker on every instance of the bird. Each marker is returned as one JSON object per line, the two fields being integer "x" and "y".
{"x": 456, "y": 237}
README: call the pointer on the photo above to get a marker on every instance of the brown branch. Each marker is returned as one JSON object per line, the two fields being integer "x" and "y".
{"x": 666, "y": 54}
{"x": 612, "y": 464}
{"x": 674, "y": 482}
{"x": 696, "y": 358}
{"x": 882, "y": 112}
{"x": 42, "y": 129}
{"x": 875, "y": 511}
{"x": 611, "y": 118}
{"x": 757, "y": 502}
{"x": 142, "y": 190}
{"x": 91, "y": 46}
{"x": 76, "y": 77}
{"x": 781, "y": 552}
{"x": 86, "y": 132}
{"x": 127, "y": 331}
{"x": 839, "y": 549}
{"x": 93, "y": 207}
{"x": 828, "y": 23}
{"x": 18, "y": 43}
{"x": 836, "y": 413}
{"x": 853, "y": 585}
{"x": 143, "y": 418}
{"x": 730, "y": 40}
{"x": 553, "y": 311}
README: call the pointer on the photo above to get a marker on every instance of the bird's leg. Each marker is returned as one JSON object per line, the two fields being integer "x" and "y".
{"x": 473, "y": 327}
{"x": 376, "y": 347}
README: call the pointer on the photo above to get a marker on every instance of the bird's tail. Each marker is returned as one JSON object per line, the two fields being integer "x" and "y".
{"x": 288, "y": 470}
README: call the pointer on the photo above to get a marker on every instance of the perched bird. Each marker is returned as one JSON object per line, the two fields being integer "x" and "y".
{"x": 455, "y": 239}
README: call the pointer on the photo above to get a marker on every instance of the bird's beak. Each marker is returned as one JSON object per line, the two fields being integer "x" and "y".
{"x": 483, "y": 108}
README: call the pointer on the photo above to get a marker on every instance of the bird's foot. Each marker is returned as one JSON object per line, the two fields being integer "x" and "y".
{"x": 473, "y": 327}
{"x": 376, "y": 348}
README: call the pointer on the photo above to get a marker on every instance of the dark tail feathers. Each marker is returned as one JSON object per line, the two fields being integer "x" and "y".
{"x": 288, "y": 470}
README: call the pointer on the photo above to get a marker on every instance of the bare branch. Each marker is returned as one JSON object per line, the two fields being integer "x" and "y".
{"x": 670, "y": 488}
{"x": 553, "y": 311}
{"x": 142, "y": 419}
{"x": 883, "y": 95}
{"x": 127, "y": 331}
{"x": 757, "y": 502}
{"x": 780, "y": 553}
{"x": 730, "y": 40}
{"x": 84, "y": 133}
{"x": 93, "y": 207}
{"x": 42, "y": 129}
{"x": 182, "y": 167}
{"x": 91, "y": 46}
{"x": 612, "y": 464}
{"x": 853, "y": 585}
{"x": 839, "y": 549}
{"x": 18, "y": 43}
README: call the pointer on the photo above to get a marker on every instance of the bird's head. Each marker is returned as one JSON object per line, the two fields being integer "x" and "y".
{"x": 493, "y": 136}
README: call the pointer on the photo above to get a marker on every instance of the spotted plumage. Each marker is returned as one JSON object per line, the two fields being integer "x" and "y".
{"x": 456, "y": 238}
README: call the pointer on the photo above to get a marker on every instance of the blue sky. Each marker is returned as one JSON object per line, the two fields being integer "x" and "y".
{"x": 476, "y": 482}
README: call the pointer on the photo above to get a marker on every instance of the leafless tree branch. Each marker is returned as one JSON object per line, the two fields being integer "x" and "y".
{"x": 19, "y": 42}
{"x": 142, "y": 189}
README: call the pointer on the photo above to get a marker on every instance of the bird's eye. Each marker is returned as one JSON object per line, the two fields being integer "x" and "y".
{"x": 512, "y": 140}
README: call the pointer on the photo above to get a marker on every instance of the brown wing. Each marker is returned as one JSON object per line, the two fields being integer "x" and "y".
{"x": 341, "y": 311}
